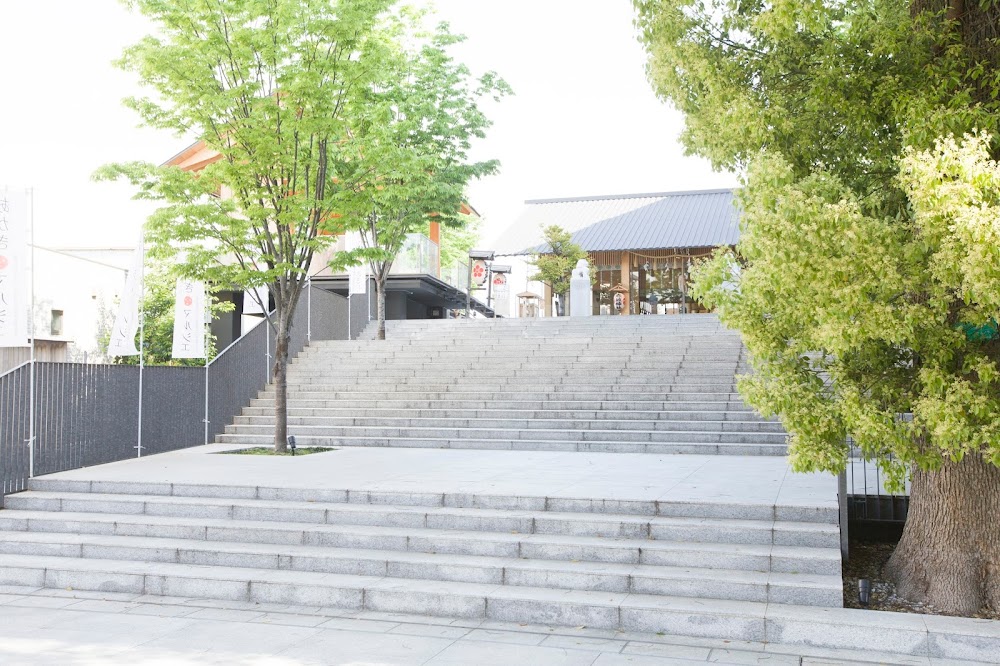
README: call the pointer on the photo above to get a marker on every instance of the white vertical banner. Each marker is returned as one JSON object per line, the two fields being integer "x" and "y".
{"x": 357, "y": 276}
{"x": 122, "y": 341}
{"x": 15, "y": 305}
{"x": 189, "y": 320}
{"x": 254, "y": 298}
{"x": 501, "y": 294}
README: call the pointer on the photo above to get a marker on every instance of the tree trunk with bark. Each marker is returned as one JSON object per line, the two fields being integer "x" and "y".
{"x": 949, "y": 555}
{"x": 282, "y": 332}
{"x": 380, "y": 308}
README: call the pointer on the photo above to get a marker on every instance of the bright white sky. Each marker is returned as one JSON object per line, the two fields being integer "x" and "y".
{"x": 583, "y": 120}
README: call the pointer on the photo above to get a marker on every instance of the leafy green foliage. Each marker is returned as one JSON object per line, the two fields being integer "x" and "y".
{"x": 266, "y": 85}
{"x": 555, "y": 267}
{"x": 404, "y": 159}
{"x": 869, "y": 238}
{"x": 456, "y": 241}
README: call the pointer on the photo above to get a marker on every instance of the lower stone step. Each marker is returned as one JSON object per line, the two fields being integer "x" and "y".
{"x": 731, "y": 435}
{"x": 515, "y": 423}
{"x": 550, "y": 547}
{"x": 810, "y": 590}
{"x": 665, "y": 448}
{"x": 734, "y": 620}
{"x": 730, "y": 529}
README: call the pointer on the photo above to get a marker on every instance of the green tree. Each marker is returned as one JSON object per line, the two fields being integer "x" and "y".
{"x": 456, "y": 241}
{"x": 267, "y": 85}
{"x": 867, "y": 246}
{"x": 555, "y": 266}
{"x": 405, "y": 156}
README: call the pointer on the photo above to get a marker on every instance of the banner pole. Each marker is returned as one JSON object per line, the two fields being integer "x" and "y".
{"x": 208, "y": 329}
{"x": 31, "y": 331}
{"x": 142, "y": 328}
{"x": 309, "y": 308}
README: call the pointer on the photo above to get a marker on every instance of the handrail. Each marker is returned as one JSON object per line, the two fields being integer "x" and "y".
{"x": 16, "y": 367}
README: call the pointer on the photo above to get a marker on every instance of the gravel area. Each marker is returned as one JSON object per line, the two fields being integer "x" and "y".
{"x": 867, "y": 561}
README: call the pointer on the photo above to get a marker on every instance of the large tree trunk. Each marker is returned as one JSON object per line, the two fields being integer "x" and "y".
{"x": 380, "y": 309}
{"x": 284, "y": 327}
{"x": 949, "y": 555}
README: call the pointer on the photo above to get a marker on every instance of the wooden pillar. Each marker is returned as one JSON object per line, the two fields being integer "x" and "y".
{"x": 626, "y": 279}
{"x": 548, "y": 301}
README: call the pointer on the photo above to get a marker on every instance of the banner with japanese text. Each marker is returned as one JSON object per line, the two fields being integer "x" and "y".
{"x": 122, "y": 341}
{"x": 189, "y": 320}
{"x": 14, "y": 280}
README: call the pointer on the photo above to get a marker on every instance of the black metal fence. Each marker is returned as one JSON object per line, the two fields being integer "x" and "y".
{"x": 87, "y": 414}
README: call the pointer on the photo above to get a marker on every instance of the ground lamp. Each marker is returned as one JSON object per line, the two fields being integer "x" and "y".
{"x": 474, "y": 255}
{"x": 495, "y": 269}
{"x": 864, "y": 591}
{"x": 291, "y": 443}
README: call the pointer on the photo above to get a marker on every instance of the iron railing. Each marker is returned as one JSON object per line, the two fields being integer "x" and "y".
{"x": 88, "y": 414}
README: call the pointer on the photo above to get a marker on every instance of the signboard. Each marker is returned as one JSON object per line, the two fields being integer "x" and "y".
{"x": 14, "y": 305}
{"x": 189, "y": 320}
{"x": 479, "y": 272}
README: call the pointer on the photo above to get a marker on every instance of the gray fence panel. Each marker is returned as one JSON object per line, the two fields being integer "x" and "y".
{"x": 14, "y": 389}
{"x": 173, "y": 408}
{"x": 235, "y": 377}
{"x": 329, "y": 316}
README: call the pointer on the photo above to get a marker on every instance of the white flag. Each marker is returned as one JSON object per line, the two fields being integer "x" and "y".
{"x": 357, "y": 276}
{"x": 122, "y": 342}
{"x": 251, "y": 298}
{"x": 189, "y": 320}
{"x": 14, "y": 305}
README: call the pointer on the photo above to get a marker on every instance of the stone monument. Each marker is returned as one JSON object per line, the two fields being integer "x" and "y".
{"x": 580, "y": 294}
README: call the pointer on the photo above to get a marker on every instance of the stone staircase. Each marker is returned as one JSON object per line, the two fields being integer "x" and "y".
{"x": 715, "y": 568}
{"x": 608, "y": 384}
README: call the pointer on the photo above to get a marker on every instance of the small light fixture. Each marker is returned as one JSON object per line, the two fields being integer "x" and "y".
{"x": 864, "y": 592}
{"x": 291, "y": 443}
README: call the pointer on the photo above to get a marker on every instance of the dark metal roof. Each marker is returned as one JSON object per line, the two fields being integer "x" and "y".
{"x": 705, "y": 218}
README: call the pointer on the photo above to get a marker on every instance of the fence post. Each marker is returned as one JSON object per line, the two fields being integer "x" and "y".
{"x": 842, "y": 499}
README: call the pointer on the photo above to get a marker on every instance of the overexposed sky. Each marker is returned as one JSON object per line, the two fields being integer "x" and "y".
{"x": 583, "y": 120}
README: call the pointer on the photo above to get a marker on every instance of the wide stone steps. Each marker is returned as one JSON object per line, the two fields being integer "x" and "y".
{"x": 690, "y": 435}
{"x": 612, "y": 446}
{"x": 812, "y": 590}
{"x": 607, "y": 610}
{"x": 615, "y": 375}
{"x": 513, "y": 423}
{"x": 524, "y": 389}
{"x": 758, "y": 530}
{"x": 525, "y": 405}
{"x": 359, "y": 411}
{"x": 772, "y": 554}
